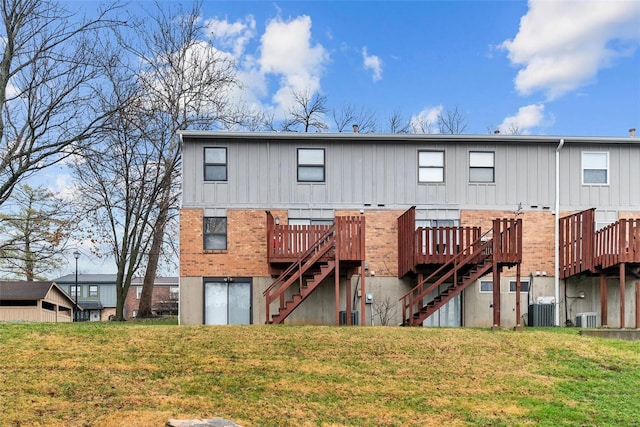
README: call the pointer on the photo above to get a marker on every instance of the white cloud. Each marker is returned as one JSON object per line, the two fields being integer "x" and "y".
{"x": 561, "y": 45}
{"x": 374, "y": 63}
{"x": 234, "y": 35}
{"x": 287, "y": 51}
{"x": 426, "y": 121}
{"x": 527, "y": 117}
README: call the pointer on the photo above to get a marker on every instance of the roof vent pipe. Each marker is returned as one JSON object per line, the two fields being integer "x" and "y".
{"x": 632, "y": 132}
{"x": 355, "y": 128}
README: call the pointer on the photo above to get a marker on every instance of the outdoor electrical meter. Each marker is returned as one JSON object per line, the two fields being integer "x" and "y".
{"x": 369, "y": 299}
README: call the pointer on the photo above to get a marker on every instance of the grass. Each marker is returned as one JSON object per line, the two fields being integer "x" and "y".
{"x": 142, "y": 373}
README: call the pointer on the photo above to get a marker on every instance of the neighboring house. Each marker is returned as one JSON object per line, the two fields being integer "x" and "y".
{"x": 96, "y": 294}
{"x": 435, "y": 230}
{"x": 164, "y": 299}
{"x": 34, "y": 302}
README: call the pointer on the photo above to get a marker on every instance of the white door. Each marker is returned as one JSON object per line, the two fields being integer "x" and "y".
{"x": 227, "y": 303}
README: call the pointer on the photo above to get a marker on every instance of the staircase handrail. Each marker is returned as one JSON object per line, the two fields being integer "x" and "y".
{"x": 303, "y": 258}
{"x": 478, "y": 247}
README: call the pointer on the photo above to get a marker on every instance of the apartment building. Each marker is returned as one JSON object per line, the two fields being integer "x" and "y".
{"x": 434, "y": 230}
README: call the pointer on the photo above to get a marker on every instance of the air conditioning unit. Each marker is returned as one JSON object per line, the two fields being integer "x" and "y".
{"x": 541, "y": 314}
{"x": 343, "y": 317}
{"x": 587, "y": 320}
{"x": 546, "y": 300}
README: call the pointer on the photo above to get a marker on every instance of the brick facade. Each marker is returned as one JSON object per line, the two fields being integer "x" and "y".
{"x": 537, "y": 236}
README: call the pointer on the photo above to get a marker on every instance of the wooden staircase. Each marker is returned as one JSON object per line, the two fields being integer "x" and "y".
{"x": 298, "y": 281}
{"x": 468, "y": 266}
{"x": 474, "y": 261}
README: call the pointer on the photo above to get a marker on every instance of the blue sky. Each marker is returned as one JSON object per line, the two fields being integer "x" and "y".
{"x": 544, "y": 67}
{"x": 562, "y": 68}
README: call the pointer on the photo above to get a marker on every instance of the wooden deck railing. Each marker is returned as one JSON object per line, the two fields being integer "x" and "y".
{"x": 576, "y": 238}
{"x": 287, "y": 243}
{"x": 507, "y": 241}
{"x": 618, "y": 242}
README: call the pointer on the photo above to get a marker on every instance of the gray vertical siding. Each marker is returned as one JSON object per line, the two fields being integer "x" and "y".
{"x": 262, "y": 174}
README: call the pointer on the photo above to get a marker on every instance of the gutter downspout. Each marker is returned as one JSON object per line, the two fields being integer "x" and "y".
{"x": 556, "y": 244}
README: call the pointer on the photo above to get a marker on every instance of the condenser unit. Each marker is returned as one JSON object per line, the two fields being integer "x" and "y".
{"x": 541, "y": 314}
{"x": 587, "y": 320}
{"x": 343, "y": 317}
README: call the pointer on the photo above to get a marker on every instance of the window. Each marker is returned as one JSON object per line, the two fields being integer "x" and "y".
{"x": 481, "y": 166}
{"x": 310, "y": 165}
{"x": 215, "y": 164}
{"x": 174, "y": 291}
{"x": 293, "y": 221}
{"x": 75, "y": 291}
{"x": 524, "y": 286}
{"x": 138, "y": 293}
{"x": 93, "y": 290}
{"x": 595, "y": 168}
{"x": 215, "y": 233}
{"x": 430, "y": 166}
{"x": 486, "y": 286}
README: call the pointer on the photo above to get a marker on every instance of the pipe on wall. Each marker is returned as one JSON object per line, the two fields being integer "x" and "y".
{"x": 556, "y": 274}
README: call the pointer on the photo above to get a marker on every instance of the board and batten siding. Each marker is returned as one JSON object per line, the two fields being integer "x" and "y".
{"x": 262, "y": 174}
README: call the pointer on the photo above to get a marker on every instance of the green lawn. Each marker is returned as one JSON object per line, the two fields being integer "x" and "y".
{"x": 142, "y": 373}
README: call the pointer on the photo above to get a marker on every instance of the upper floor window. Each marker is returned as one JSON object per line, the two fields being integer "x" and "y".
{"x": 75, "y": 291}
{"x": 481, "y": 166}
{"x": 215, "y": 233}
{"x": 215, "y": 164}
{"x": 93, "y": 290}
{"x": 430, "y": 166}
{"x": 310, "y": 164}
{"x": 595, "y": 168}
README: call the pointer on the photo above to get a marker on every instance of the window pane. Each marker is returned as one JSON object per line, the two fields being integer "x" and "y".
{"x": 480, "y": 159}
{"x": 215, "y": 225}
{"x": 595, "y": 176}
{"x": 215, "y": 241}
{"x": 215, "y": 155}
{"x": 215, "y": 173}
{"x": 431, "y": 158}
{"x": 594, "y": 160}
{"x": 486, "y": 286}
{"x": 524, "y": 286}
{"x": 481, "y": 175}
{"x": 310, "y": 157}
{"x": 311, "y": 173}
{"x": 431, "y": 175}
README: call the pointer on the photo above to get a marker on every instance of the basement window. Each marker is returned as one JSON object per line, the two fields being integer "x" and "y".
{"x": 486, "y": 286}
{"x": 524, "y": 286}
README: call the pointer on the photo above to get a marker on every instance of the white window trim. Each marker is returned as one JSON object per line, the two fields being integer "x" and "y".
{"x": 480, "y": 287}
{"x": 582, "y": 168}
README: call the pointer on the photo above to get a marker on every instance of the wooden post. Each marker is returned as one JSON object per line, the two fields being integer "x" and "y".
{"x": 363, "y": 296}
{"x": 348, "y": 307}
{"x": 622, "y": 286}
{"x": 336, "y": 272}
{"x": 603, "y": 300}
{"x": 496, "y": 295}
{"x": 637, "y": 304}
{"x": 518, "y": 285}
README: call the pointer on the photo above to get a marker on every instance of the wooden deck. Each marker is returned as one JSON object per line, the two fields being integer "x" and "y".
{"x": 423, "y": 248}
{"x": 583, "y": 249}
{"x": 287, "y": 243}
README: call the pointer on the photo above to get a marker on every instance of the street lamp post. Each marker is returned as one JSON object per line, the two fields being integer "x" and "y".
{"x": 76, "y": 255}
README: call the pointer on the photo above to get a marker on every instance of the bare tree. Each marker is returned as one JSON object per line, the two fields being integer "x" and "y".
{"x": 385, "y": 310}
{"x": 48, "y": 79}
{"x": 37, "y": 231}
{"x": 397, "y": 124}
{"x": 182, "y": 82}
{"x": 348, "y": 116}
{"x": 308, "y": 112}
{"x": 452, "y": 122}
{"x": 421, "y": 124}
